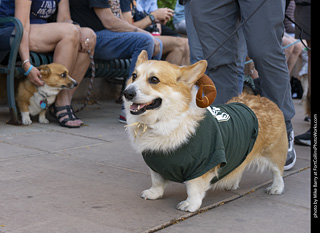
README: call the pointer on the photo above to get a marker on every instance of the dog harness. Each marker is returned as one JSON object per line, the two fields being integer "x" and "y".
{"x": 225, "y": 136}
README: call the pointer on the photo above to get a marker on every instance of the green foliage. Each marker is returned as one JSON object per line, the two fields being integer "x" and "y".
{"x": 169, "y": 4}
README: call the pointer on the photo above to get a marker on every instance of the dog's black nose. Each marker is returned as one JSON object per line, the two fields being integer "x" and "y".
{"x": 129, "y": 93}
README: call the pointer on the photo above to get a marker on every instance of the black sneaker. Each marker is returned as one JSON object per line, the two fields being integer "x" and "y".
{"x": 291, "y": 156}
{"x": 303, "y": 139}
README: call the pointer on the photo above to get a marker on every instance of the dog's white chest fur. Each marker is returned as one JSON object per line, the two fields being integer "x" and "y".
{"x": 43, "y": 93}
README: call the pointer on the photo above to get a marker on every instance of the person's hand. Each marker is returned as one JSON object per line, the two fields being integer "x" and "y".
{"x": 163, "y": 15}
{"x": 87, "y": 40}
{"x": 84, "y": 44}
{"x": 157, "y": 46}
{"x": 34, "y": 76}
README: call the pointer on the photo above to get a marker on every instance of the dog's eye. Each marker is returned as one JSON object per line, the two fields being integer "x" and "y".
{"x": 63, "y": 75}
{"x": 134, "y": 76}
{"x": 154, "y": 80}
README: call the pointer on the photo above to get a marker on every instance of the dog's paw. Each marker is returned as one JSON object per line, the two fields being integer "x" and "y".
{"x": 188, "y": 206}
{"x": 26, "y": 118}
{"x": 43, "y": 120}
{"x": 151, "y": 194}
{"x": 26, "y": 121}
{"x": 274, "y": 190}
{"x": 232, "y": 187}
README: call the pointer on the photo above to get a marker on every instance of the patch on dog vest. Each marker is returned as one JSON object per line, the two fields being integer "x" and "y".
{"x": 218, "y": 114}
{"x": 225, "y": 136}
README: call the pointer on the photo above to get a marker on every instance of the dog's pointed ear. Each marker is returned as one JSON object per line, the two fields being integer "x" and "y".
{"x": 143, "y": 56}
{"x": 44, "y": 70}
{"x": 195, "y": 75}
{"x": 191, "y": 74}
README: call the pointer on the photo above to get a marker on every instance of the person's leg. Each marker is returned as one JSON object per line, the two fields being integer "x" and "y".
{"x": 112, "y": 45}
{"x": 214, "y": 22}
{"x": 64, "y": 40}
{"x": 263, "y": 33}
{"x": 303, "y": 18}
{"x": 242, "y": 54}
{"x": 158, "y": 55}
{"x": 176, "y": 49}
{"x": 293, "y": 52}
{"x": 288, "y": 51}
{"x": 196, "y": 53}
{"x": 80, "y": 67}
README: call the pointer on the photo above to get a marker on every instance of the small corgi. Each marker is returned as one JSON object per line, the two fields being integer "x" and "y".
{"x": 184, "y": 139}
{"x": 33, "y": 100}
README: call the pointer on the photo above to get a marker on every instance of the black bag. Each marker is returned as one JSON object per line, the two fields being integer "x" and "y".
{"x": 296, "y": 88}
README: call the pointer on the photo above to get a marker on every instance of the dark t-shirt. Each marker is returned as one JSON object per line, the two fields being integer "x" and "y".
{"x": 125, "y": 5}
{"x": 82, "y": 12}
{"x": 40, "y": 10}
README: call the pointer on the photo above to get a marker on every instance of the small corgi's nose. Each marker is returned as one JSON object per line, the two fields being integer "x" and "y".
{"x": 129, "y": 93}
{"x": 75, "y": 84}
{"x": 72, "y": 85}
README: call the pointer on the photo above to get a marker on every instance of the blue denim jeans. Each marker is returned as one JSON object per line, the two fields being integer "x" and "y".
{"x": 111, "y": 45}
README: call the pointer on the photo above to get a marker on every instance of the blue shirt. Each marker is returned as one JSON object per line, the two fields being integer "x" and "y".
{"x": 178, "y": 13}
{"x": 147, "y": 6}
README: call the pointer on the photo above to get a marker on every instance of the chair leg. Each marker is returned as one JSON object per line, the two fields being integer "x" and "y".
{"x": 14, "y": 120}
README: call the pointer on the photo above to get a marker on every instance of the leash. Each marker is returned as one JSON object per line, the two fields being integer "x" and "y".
{"x": 301, "y": 32}
{"x": 93, "y": 75}
{"x": 246, "y": 20}
{"x": 287, "y": 46}
{"x": 237, "y": 29}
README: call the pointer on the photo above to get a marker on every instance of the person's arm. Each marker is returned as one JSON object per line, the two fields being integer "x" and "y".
{"x": 115, "y": 24}
{"x": 143, "y": 23}
{"x": 22, "y": 12}
{"x": 112, "y": 22}
{"x": 163, "y": 15}
{"x": 63, "y": 15}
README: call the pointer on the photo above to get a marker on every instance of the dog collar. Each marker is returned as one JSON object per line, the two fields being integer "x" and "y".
{"x": 138, "y": 126}
{"x": 43, "y": 103}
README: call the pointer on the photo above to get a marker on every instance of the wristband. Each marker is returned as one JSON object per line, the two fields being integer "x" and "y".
{"x": 25, "y": 61}
{"x": 29, "y": 70}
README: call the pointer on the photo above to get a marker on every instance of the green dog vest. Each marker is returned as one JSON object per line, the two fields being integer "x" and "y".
{"x": 225, "y": 136}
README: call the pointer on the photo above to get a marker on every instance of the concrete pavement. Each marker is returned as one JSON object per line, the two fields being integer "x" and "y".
{"x": 88, "y": 180}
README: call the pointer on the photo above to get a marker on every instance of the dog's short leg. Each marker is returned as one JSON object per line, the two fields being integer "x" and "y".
{"x": 26, "y": 120}
{"x": 277, "y": 186}
{"x": 42, "y": 117}
{"x": 196, "y": 190}
{"x": 157, "y": 189}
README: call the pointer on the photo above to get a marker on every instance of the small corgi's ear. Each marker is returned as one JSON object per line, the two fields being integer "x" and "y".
{"x": 143, "y": 56}
{"x": 44, "y": 70}
{"x": 191, "y": 74}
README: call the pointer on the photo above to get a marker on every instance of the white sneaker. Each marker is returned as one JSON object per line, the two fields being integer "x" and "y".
{"x": 291, "y": 156}
{"x": 122, "y": 117}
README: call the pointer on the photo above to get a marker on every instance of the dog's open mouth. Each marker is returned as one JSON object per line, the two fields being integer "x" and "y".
{"x": 137, "y": 109}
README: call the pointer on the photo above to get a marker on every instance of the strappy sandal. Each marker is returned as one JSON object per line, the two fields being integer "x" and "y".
{"x": 69, "y": 113}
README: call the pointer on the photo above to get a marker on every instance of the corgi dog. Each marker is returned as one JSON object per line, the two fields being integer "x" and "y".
{"x": 33, "y": 100}
{"x": 199, "y": 146}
